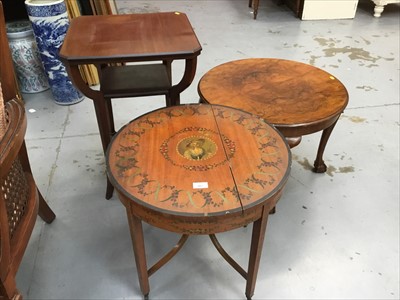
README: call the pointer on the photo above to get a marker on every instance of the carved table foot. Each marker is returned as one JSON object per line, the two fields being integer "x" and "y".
{"x": 319, "y": 167}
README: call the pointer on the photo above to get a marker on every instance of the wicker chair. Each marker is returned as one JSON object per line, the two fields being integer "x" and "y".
{"x": 19, "y": 200}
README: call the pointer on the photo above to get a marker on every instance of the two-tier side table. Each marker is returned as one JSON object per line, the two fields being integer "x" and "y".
{"x": 138, "y": 42}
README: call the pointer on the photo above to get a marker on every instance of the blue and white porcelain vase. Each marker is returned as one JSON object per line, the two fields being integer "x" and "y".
{"x": 26, "y": 58}
{"x": 50, "y": 23}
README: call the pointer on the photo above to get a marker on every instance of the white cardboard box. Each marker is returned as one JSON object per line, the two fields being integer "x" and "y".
{"x": 329, "y": 9}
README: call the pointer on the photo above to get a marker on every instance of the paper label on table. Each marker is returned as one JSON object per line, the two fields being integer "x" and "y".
{"x": 200, "y": 185}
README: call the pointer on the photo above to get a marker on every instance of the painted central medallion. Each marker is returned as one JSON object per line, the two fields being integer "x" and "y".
{"x": 196, "y": 148}
{"x": 196, "y": 144}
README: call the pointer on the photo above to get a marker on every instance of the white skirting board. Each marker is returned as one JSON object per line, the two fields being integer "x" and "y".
{"x": 329, "y": 9}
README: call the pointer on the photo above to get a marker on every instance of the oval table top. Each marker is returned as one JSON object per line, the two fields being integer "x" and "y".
{"x": 284, "y": 92}
{"x": 190, "y": 160}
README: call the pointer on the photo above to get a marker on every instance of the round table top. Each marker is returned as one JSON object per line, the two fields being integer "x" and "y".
{"x": 192, "y": 159}
{"x": 283, "y": 92}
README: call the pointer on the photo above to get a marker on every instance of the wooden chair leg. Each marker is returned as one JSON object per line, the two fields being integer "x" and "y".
{"x": 8, "y": 290}
{"x": 255, "y": 8}
{"x": 45, "y": 212}
{"x": 18, "y": 296}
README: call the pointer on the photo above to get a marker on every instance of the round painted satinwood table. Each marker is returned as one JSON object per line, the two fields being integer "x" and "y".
{"x": 198, "y": 169}
{"x": 297, "y": 98}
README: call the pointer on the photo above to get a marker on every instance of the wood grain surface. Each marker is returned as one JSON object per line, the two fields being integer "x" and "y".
{"x": 285, "y": 93}
{"x": 130, "y": 36}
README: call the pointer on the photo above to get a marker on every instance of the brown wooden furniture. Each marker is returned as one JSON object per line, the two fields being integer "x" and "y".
{"x": 198, "y": 169}
{"x": 9, "y": 82}
{"x": 295, "y": 5}
{"x": 7, "y": 74}
{"x": 254, "y": 4}
{"x": 19, "y": 200}
{"x": 101, "y": 40}
{"x": 298, "y": 99}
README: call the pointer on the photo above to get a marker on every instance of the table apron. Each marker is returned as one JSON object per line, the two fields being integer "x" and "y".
{"x": 198, "y": 225}
{"x": 109, "y": 60}
{"x": 298, "y": 130}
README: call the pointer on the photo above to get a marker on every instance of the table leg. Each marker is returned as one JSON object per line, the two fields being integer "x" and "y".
{"x": 136, "y": 229}
{"x": 257, "y": 240}
{"x": 255, "y": 8}
{"x": 104, "y": 124}
{"x": 111, "y": 132}
{"x": 188, "y": 76}
{"x": 103, "y": 112}
{"x": 319, "y": 165}
{"x": 168, "y": 64}
{"x": 110, "y": 116}
{"x": 378, "y": 10}
{"x": 101, "y": 109}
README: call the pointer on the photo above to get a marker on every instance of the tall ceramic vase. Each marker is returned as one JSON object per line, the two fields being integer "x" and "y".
{"x": 50, "y": 22}
{"x": 26, "y": 58}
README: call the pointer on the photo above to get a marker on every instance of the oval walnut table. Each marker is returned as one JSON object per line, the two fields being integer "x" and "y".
{"x": 198, "y": 169}
{"x": 298, "y": 99}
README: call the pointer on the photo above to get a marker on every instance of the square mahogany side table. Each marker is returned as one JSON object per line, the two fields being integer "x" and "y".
{"x": 144, "y": 38}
